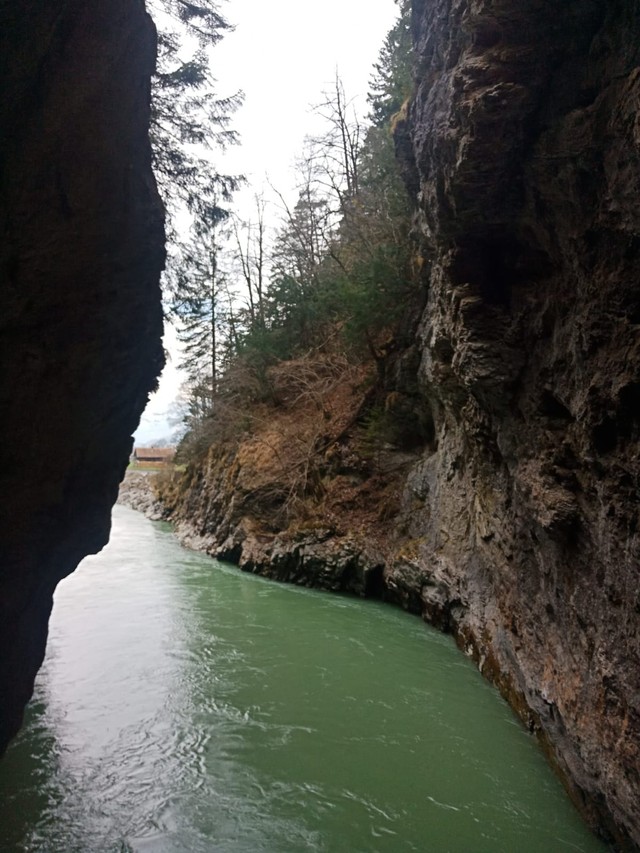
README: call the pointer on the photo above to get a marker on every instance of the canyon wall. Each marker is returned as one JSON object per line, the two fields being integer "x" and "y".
{"x": 80, "y": 318}
{"x": 511, "y": 518}
{"x": 521, "y": 146}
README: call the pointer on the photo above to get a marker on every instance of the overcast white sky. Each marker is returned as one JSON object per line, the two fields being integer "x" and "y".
{"x": 282, "y": 54}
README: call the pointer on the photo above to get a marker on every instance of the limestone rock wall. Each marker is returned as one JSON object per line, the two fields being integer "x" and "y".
{"x": 522, "y": 146}
{"x": 80, "y": 318}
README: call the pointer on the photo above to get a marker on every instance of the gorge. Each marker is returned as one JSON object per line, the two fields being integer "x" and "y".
{"x": 512, "y": 522}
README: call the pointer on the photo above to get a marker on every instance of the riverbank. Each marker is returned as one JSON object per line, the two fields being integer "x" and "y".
{"x": 186, "y": 706}
{"x": 310, "y": 552}
{"x": 137, "y": 492}
{"x": 375, "y": 557}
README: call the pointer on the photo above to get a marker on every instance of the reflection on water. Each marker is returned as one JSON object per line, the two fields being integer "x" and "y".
{"x": 184, "y": 706}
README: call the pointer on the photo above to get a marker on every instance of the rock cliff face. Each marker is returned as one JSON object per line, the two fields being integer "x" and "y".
{"x": 80, "y": 318}
{"x": 522, "y": 147}
{"x": 290, "y": 496}
{"x": 517, "y": 526}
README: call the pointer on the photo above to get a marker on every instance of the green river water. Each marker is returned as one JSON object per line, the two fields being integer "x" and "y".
{"x": 185, "y": 707}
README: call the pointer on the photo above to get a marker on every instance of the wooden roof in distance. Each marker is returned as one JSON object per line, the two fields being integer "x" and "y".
{"x": 154, "y": 453}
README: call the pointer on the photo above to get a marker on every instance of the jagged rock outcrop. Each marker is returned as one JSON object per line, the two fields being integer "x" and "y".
{"x": 290, "y": 495}
{"x": 136, "y": 491}
{"x": 522, "y": 146}
{"x": 80, "y": 318}
{"x": 518, "y": 527}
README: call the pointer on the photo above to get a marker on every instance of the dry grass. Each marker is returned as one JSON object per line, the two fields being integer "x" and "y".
{"x": 294, "y": 462}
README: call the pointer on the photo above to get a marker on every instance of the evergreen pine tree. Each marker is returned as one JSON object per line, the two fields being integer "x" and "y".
{"x": 391, "y": 82}
{"x": 187, "y": 116}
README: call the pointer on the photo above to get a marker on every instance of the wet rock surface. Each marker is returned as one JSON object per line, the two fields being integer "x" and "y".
{"x": 522, "y": 143}
{"x": 215, "y": 510}
{"x": 137, "y": 492}
{"x": 80, "y": 317}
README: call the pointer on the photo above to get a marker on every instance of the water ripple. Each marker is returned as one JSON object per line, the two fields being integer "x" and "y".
{"x": 185, "y": 707}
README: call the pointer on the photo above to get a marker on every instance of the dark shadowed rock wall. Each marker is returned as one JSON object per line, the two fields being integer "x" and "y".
{"x": 522, "y": 148}
{"x": 80, "y": 319}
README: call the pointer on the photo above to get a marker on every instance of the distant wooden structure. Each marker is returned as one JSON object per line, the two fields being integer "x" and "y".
{"x": 153, "y": 456}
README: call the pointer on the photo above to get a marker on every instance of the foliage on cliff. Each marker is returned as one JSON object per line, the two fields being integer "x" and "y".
{"x": 189, "y": 121}
{"x": 340, "y": 275}
{"x": 299, "y": 385}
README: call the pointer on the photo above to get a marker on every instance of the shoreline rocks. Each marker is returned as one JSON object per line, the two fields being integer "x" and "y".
{"x": 136, "y": 492}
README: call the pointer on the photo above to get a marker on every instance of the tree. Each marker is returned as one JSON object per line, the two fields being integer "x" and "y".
{"x": 337, "y": 278}
{"x": 342, "y": 257}
{"x": 250, "y": 243}
{"x": 199, "y": 307}
{"x": 187, "y": 117}
{"x": 303, "y": 238}
{"x": 337, "y": 151}
{"x": 188, "y": 120}
{"x": 391, "y": 84}
{"x": 300, "y": 247}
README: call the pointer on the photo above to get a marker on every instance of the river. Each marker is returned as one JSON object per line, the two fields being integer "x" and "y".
{"x": 185, "y": 707}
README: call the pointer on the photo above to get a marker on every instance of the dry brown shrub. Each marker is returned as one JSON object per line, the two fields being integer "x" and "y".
{"x": 282, "y": 423}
